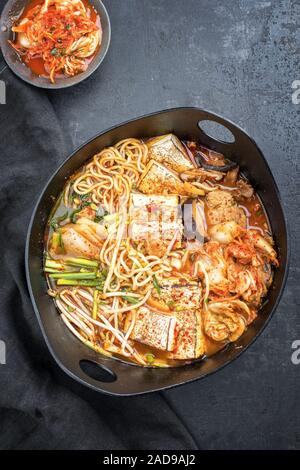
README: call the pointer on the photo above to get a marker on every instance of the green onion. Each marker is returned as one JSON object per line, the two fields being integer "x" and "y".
{"x": 131, "y": 300}
{"x": 73, "y": 217}
{"x": 156, "y": 285}
{"x": 102, "y": 274}
{"x": 85, "y": 199}
{"x": 68, "y": 26}
{"x": 76, "y": 275}
{"x": 95, "y": 305}
{"x": 57, "y": 241}
{"x": 51, "y": 270}
{"x": 51, "y": 263}
{"x": 82, "y": 262}
{"x": 179, "y": 308}
{"x": 171, "y": 304}
{"x": 100, "y": 214}
{"x": 54, "y": 51}
{"x": 70, "y": 309}
{"x": 56, "y": 221}
{"x": 150, "y": 358}
{"x": 61, "y": 243}
{"x": 82, "y": 282}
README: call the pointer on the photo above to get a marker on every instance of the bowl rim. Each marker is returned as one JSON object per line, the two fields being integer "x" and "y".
{"x": 68, "y": 81}
{"x": 219, "y": 367}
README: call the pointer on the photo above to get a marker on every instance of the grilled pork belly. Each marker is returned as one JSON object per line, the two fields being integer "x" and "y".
{"x": 158, "y": 179}
{"x": 155, "y": 329}
{"x": 190, "y": 341}
{"x": 168, "y": 150}
{"x": 179, "y": 293}
{"x": 179, "y": 333}
{"x": 156, "y": 220}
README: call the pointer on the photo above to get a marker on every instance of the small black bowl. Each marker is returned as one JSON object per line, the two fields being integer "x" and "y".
{"x": 10, "y": 14}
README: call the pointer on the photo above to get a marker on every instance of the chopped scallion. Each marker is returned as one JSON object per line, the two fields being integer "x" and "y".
{"x": 131, "y": 300}
{"x": 156, "y": 285}
{"x": 76, "y": 275}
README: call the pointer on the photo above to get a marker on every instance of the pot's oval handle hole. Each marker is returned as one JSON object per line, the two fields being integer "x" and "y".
{"x": 97, "y": 371}
{"x": 216, "y": 131}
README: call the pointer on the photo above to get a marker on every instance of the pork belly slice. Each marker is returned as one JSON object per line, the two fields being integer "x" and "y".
{"x": 168, "y": 150}
{"x": 143, "y": 200}
{"x": 178, "y": 292}
{"x": 154, "y": 329}
{"x": 146, "y": 207}
{"x": 158, "y": 179}
{"x": 156, "y": 220}
{"x": 190, "y": 341}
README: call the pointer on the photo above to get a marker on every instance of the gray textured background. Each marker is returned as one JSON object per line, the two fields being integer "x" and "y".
{"x": 238, "y": 59}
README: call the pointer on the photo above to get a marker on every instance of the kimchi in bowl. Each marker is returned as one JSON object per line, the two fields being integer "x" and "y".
{"x": 54, "y": 43}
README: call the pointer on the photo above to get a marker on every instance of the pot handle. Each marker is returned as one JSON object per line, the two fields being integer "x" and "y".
{"x": 222, "y": 135}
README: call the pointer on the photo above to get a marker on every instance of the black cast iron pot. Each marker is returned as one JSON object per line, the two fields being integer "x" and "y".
{"x": 109, "y": 375}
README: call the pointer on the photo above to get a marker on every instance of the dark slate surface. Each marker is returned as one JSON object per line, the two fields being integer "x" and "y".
{"x": 239, "y": 59}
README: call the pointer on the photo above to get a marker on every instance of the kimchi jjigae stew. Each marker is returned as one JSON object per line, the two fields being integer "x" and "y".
{"x": 158, "y": 252}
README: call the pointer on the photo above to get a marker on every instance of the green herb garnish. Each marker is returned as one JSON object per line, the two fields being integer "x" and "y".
{"x": 150, "y": 358}
{"x": 80, "y": 282}
{"x": 74, "y": 275}
{"x": 156, "y": 285}
{"x": 57, "y": 241}
{"x": 54, "y": 223}
{"x": 130, "y": 300}
{"x": 179, "y": 308}
{"x": 73, "y": 217}
{"x": 100, "y": 214}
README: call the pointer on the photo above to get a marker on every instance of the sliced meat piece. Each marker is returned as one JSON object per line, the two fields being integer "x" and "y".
{"x": 222, "y": 207}
{"x": 158, "y": 179}
{"x": 168, "y": 150}
{"x": 177, "y": 292}
{"x": 156, "y": 220}
{"x": 154, "y": 329}
{"x": 190, "y": 341}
